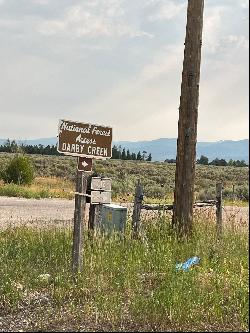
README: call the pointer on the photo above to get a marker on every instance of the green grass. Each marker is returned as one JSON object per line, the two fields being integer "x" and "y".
{"x": 13, "y": 190}
{"x": 157, "y": 178}
{"x": 40, "y": 188}
{"x": 130, "y": 284}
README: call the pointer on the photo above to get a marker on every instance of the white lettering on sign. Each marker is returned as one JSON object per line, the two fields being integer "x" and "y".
{"x": 85, "y": 140}
{"x": 72, "y": 148}
{"x": 97, "y": 151}
{"x": 99, "y": 132}
{"x": 85, "y": 130}
{"x": 76, "y": 148}
{"x": 72, "y": 128}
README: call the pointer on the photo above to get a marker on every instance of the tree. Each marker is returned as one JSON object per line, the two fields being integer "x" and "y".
{"x": 123, "y": 154}
{"x": 171, "y": 160}
{"x": 133, "y": 156}
{"x": 144, "y": 153}
{"x": 128, "y": 156}
{"x": 149, "y": 158}
{"x": 218, "y": 162}
{"x": 114, "y": 152}
{"x": 231, "y": 162}
{"x": 203, "y": 160}
{"x": 138, "y": 156}
{"x": 19, "y": 171}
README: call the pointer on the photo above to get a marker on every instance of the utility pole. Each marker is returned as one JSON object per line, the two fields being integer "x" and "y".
{"x": 187, "y": 125}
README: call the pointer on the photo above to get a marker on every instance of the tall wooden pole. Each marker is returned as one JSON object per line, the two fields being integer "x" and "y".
{"x": 187, "y": 125}
{"x": 80, "y": 204}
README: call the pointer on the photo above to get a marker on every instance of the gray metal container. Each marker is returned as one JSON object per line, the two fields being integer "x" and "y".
{"x": 113, "y": 218}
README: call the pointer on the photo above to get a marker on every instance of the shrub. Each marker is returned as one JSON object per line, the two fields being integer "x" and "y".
{"x": 242, "y": 192}
{"x": 19, "y": 171}
{"x": 208, "y": 194}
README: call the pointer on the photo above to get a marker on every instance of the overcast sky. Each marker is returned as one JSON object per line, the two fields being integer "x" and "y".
{"x": 119, "y": 63}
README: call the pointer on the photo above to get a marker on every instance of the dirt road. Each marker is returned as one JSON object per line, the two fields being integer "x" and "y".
{"x": 19, "y": 211}
{"x": 60, "y": 212}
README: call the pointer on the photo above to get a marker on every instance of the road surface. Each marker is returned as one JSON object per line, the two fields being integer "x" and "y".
{"x": 60, "y": 212}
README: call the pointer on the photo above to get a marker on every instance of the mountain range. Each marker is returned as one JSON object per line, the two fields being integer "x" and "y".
{"x": 165, "y": 148}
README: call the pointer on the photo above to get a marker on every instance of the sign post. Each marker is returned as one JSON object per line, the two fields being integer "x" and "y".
{"x": 80, "y": 204}
{"x": 85, "y": 141}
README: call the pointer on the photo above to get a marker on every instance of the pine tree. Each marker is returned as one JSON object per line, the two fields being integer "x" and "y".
{"x": 138, "y": 156}
{"x": 128, "y": 156}
{"x": 123, "y": 154}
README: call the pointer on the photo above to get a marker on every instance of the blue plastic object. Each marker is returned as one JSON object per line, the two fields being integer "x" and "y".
{"x": 188, "y": 264}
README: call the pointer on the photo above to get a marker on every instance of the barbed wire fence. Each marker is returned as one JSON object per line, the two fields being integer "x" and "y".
{"x": 212, "y": 210}
{"x": 206, "y": 210}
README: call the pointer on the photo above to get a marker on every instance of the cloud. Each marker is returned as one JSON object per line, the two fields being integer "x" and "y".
{"x": 164, "y": 62}
{"x": 146, "y": 102}
{"x": 86, "y": 21}
{"x": 41, "y": 2}
{"x": 244, "y": 3}
{"x": 165, "y": 10}
{"x": 119, "y": 63}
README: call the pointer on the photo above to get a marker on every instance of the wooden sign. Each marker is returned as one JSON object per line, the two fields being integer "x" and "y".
{"x": 85, "y": 140}
{"x": 98, "y": 197}
{"x": 101, "y": 184}
{"x": 85, "y": 164}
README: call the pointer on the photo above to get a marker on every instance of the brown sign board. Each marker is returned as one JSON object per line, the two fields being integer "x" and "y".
{"x": 83, "y": 139}
{"x": 85, "y": 164}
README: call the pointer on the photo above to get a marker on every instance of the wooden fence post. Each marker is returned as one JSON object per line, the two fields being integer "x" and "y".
{"x": 80, "y": 204}
{"x": 136, "y": 218}
{"x": 219, "y": 208}
{"x": 92, "y": 210}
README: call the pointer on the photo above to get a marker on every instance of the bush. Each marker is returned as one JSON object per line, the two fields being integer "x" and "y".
{"x": 19, "y": 171}
{"x": 242, "y": 192}
{"x": 208, "y": 194}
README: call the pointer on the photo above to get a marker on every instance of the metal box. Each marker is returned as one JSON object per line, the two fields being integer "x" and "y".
{"x": 113, "y": 218}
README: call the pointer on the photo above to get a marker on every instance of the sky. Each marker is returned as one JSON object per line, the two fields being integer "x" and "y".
{"x": 118, "y": 63}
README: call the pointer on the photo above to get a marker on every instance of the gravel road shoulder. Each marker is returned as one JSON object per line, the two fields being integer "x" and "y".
{"x": 15, "y": 212}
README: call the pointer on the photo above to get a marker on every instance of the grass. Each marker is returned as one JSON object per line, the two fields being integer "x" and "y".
{"x": 128, "y": 284}
{"x": 40, "y": 188}
{"x": 157, "y": 178}
{"x": 237, "y": 203}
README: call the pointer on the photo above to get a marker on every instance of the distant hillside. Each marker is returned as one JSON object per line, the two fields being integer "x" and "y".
{"x": 42, "y": 141}
{"x": 166, "y": 148}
